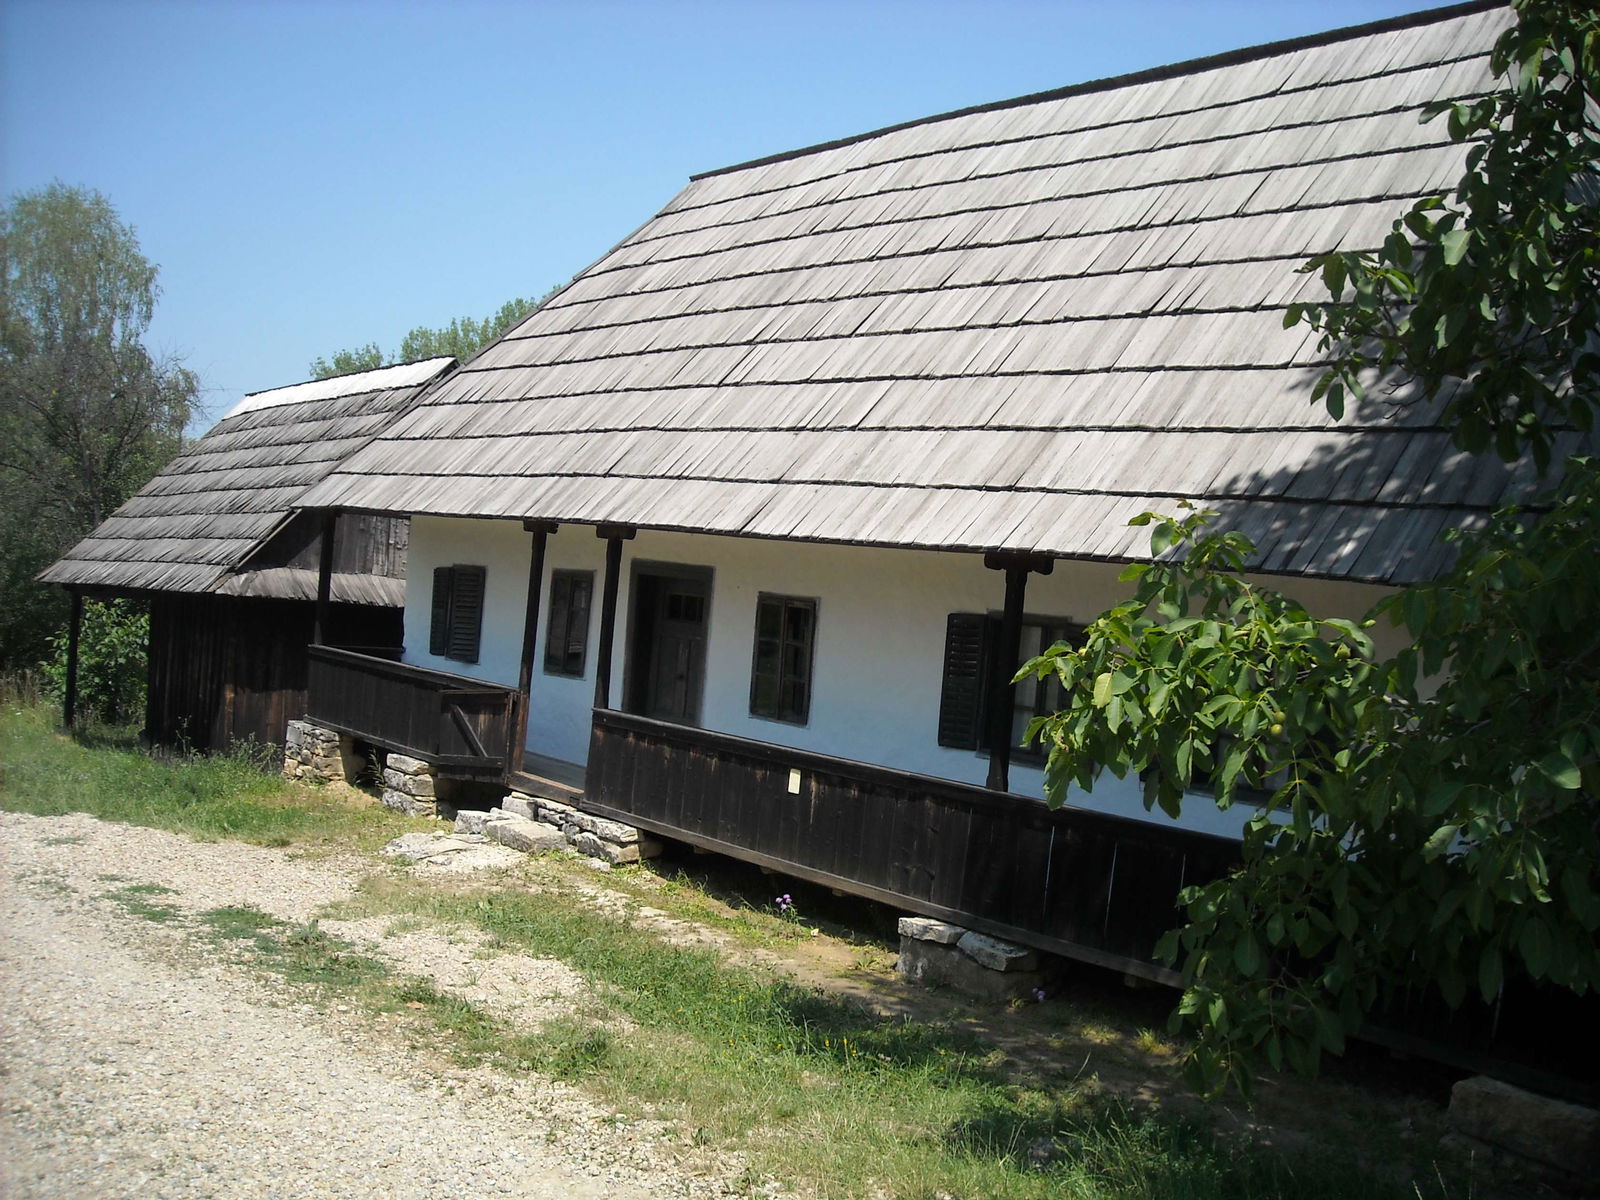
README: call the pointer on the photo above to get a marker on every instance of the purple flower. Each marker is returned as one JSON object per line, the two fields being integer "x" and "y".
{"x": 1039, "y": 995}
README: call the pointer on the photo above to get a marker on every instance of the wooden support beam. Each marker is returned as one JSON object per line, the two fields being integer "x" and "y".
{"x": 319, "y": 634}
{"x": 614, "y": 536}
{"x": 541, "y": 531}
{"x": 1000, "y": 706}
{"x": 1001, "y": 560}
{"x": 69, "y": 699}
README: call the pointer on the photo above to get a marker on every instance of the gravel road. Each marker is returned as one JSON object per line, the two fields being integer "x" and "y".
{"x": 133, "y": 1065}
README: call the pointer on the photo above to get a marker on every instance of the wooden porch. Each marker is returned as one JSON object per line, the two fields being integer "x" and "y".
{"x": 463, "y": 726}
{"x": 1097, "y": 888}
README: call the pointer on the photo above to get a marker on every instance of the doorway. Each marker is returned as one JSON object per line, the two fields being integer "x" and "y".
{"x": 670, "y": 615}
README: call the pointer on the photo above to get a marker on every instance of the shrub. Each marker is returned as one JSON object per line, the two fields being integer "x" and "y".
{"x": 112, "y": 652}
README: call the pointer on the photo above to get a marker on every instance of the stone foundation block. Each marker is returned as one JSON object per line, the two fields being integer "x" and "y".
{"x": 312, "y": 754}
{"x": 519, "y": 805}
{"x": 519, "y": 833}
{"x": 934, "y": 963}
{"x": 554, "y": 812}
{"x": 404, "y": 764}
{"x": 411, "y": 785}
{"x": 594, "y": 847}
{"x": 470, "y": 820}
{"x": 412, "y": 806}
{"x": 926, "y": 929}
{"x": 600, "y": 827}
{"x": 1550, "y": 1133}
{"x": 996, "y": 955}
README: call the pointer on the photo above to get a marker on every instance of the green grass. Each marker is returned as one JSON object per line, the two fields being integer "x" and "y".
{"x": 104, "y": 773}
{"x": 820, "y": 1090}
{"x": 136, "y": 900}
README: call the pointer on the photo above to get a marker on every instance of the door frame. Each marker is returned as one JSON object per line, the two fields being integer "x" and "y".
{"x": 635, "y": 673}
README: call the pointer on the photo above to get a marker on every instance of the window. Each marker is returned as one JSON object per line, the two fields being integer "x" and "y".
{"x": 971, "y": 653}
{"x": 1037, "y": 697}
{"x": 780, "y": 677}
{"x": 457, "y": 623}
{"x": 566, "y": 638}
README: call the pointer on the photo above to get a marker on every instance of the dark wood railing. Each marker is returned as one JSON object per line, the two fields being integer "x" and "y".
{"x": 460, "y": 724}
{"x": 1097, "y": 888}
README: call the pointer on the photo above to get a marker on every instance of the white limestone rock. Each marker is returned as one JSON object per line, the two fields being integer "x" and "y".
{"x": 519, "y": 833}
{"x": 997, "y": 955}
{"x": 926, "y": 929}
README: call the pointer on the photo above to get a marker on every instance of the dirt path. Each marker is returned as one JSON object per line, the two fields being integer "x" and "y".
{"x": 134, "y": 1066}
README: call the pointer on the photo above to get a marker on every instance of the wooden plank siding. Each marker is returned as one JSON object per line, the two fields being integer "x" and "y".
{"x": 1089, "y": 886}
{"x": 462, "y": 725}
{"x": 225, "y": 671}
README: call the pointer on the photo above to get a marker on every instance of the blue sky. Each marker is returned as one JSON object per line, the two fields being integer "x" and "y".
{"x": 313, "y": 176}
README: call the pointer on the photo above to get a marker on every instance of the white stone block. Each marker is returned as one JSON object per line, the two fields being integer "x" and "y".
{"x": 406, "y": 765}
{"x": 995, "y": 954}
{"x": 926, "y": 929}
{"x": 519, "y": 805}
{"x": 522, "y": 834}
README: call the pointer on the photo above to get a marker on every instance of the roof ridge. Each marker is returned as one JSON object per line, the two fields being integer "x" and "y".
{"x": 1190, "y": 66}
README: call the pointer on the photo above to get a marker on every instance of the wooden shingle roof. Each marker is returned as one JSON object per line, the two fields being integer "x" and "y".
{"x": 1010, "y": 327}
{"x": 221, "y": 500}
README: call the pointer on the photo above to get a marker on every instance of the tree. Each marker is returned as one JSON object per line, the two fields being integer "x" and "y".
{"x": 461, "y": 339}
{"x": 87, "y": 413}
{"x": 1434, "y": 819}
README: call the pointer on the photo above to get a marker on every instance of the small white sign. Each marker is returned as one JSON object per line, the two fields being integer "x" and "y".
{"x": 794, "y": 781}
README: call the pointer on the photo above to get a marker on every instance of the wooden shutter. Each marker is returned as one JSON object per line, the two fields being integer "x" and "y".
{"x": 466, "y": 613}
{"x": 439, "y": 626}
{"x": 968, "y": 639}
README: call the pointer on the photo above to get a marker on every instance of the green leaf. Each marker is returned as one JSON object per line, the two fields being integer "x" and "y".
{"x": 1490, "y": 974}
{"x": 1536, "y": 946}
{"x": 1102, "y": 689}
{"x": 1247, "y": 955}
{"x": 1454, "y": 244}
{"x": 1561, "y": 770}
{"x": 1441, "y": 840}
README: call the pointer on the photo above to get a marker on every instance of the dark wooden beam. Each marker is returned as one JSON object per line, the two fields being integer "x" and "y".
{"x": 614, "y": 536}
{"x": 541, "y": 531}
{"x": 319, "y": 635}
{"x": 1010, "y": 655}
{"x": 1001, "y": 560}
{"x": 69, "y": 699}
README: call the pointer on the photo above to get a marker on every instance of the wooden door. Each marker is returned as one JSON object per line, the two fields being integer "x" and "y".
{"x": 673, "y": 619}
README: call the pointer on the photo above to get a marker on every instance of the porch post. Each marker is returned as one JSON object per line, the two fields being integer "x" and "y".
{"x": 541, "y": 531}
{"x": 614, "y": 536}
{"x": 1016, "y": 566}
{"x": 319, "y": 633}
{"x": 69, "y": 699}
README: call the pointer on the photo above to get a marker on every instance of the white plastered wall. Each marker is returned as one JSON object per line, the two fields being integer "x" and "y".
{"x": 879, "y": 640}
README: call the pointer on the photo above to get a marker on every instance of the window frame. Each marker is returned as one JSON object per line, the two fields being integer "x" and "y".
{"x": 971, "y": 654}
{"x": 558, "y": 666}
{"x": 1051, "y": 631}
{"x": 455, "y": 624}
{"x": 778, "y": 712}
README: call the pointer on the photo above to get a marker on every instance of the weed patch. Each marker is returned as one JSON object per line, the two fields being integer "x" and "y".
{"x": 136, "y": 900}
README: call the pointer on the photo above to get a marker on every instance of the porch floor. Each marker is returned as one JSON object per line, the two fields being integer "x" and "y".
{"x": 552, "y": 778}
